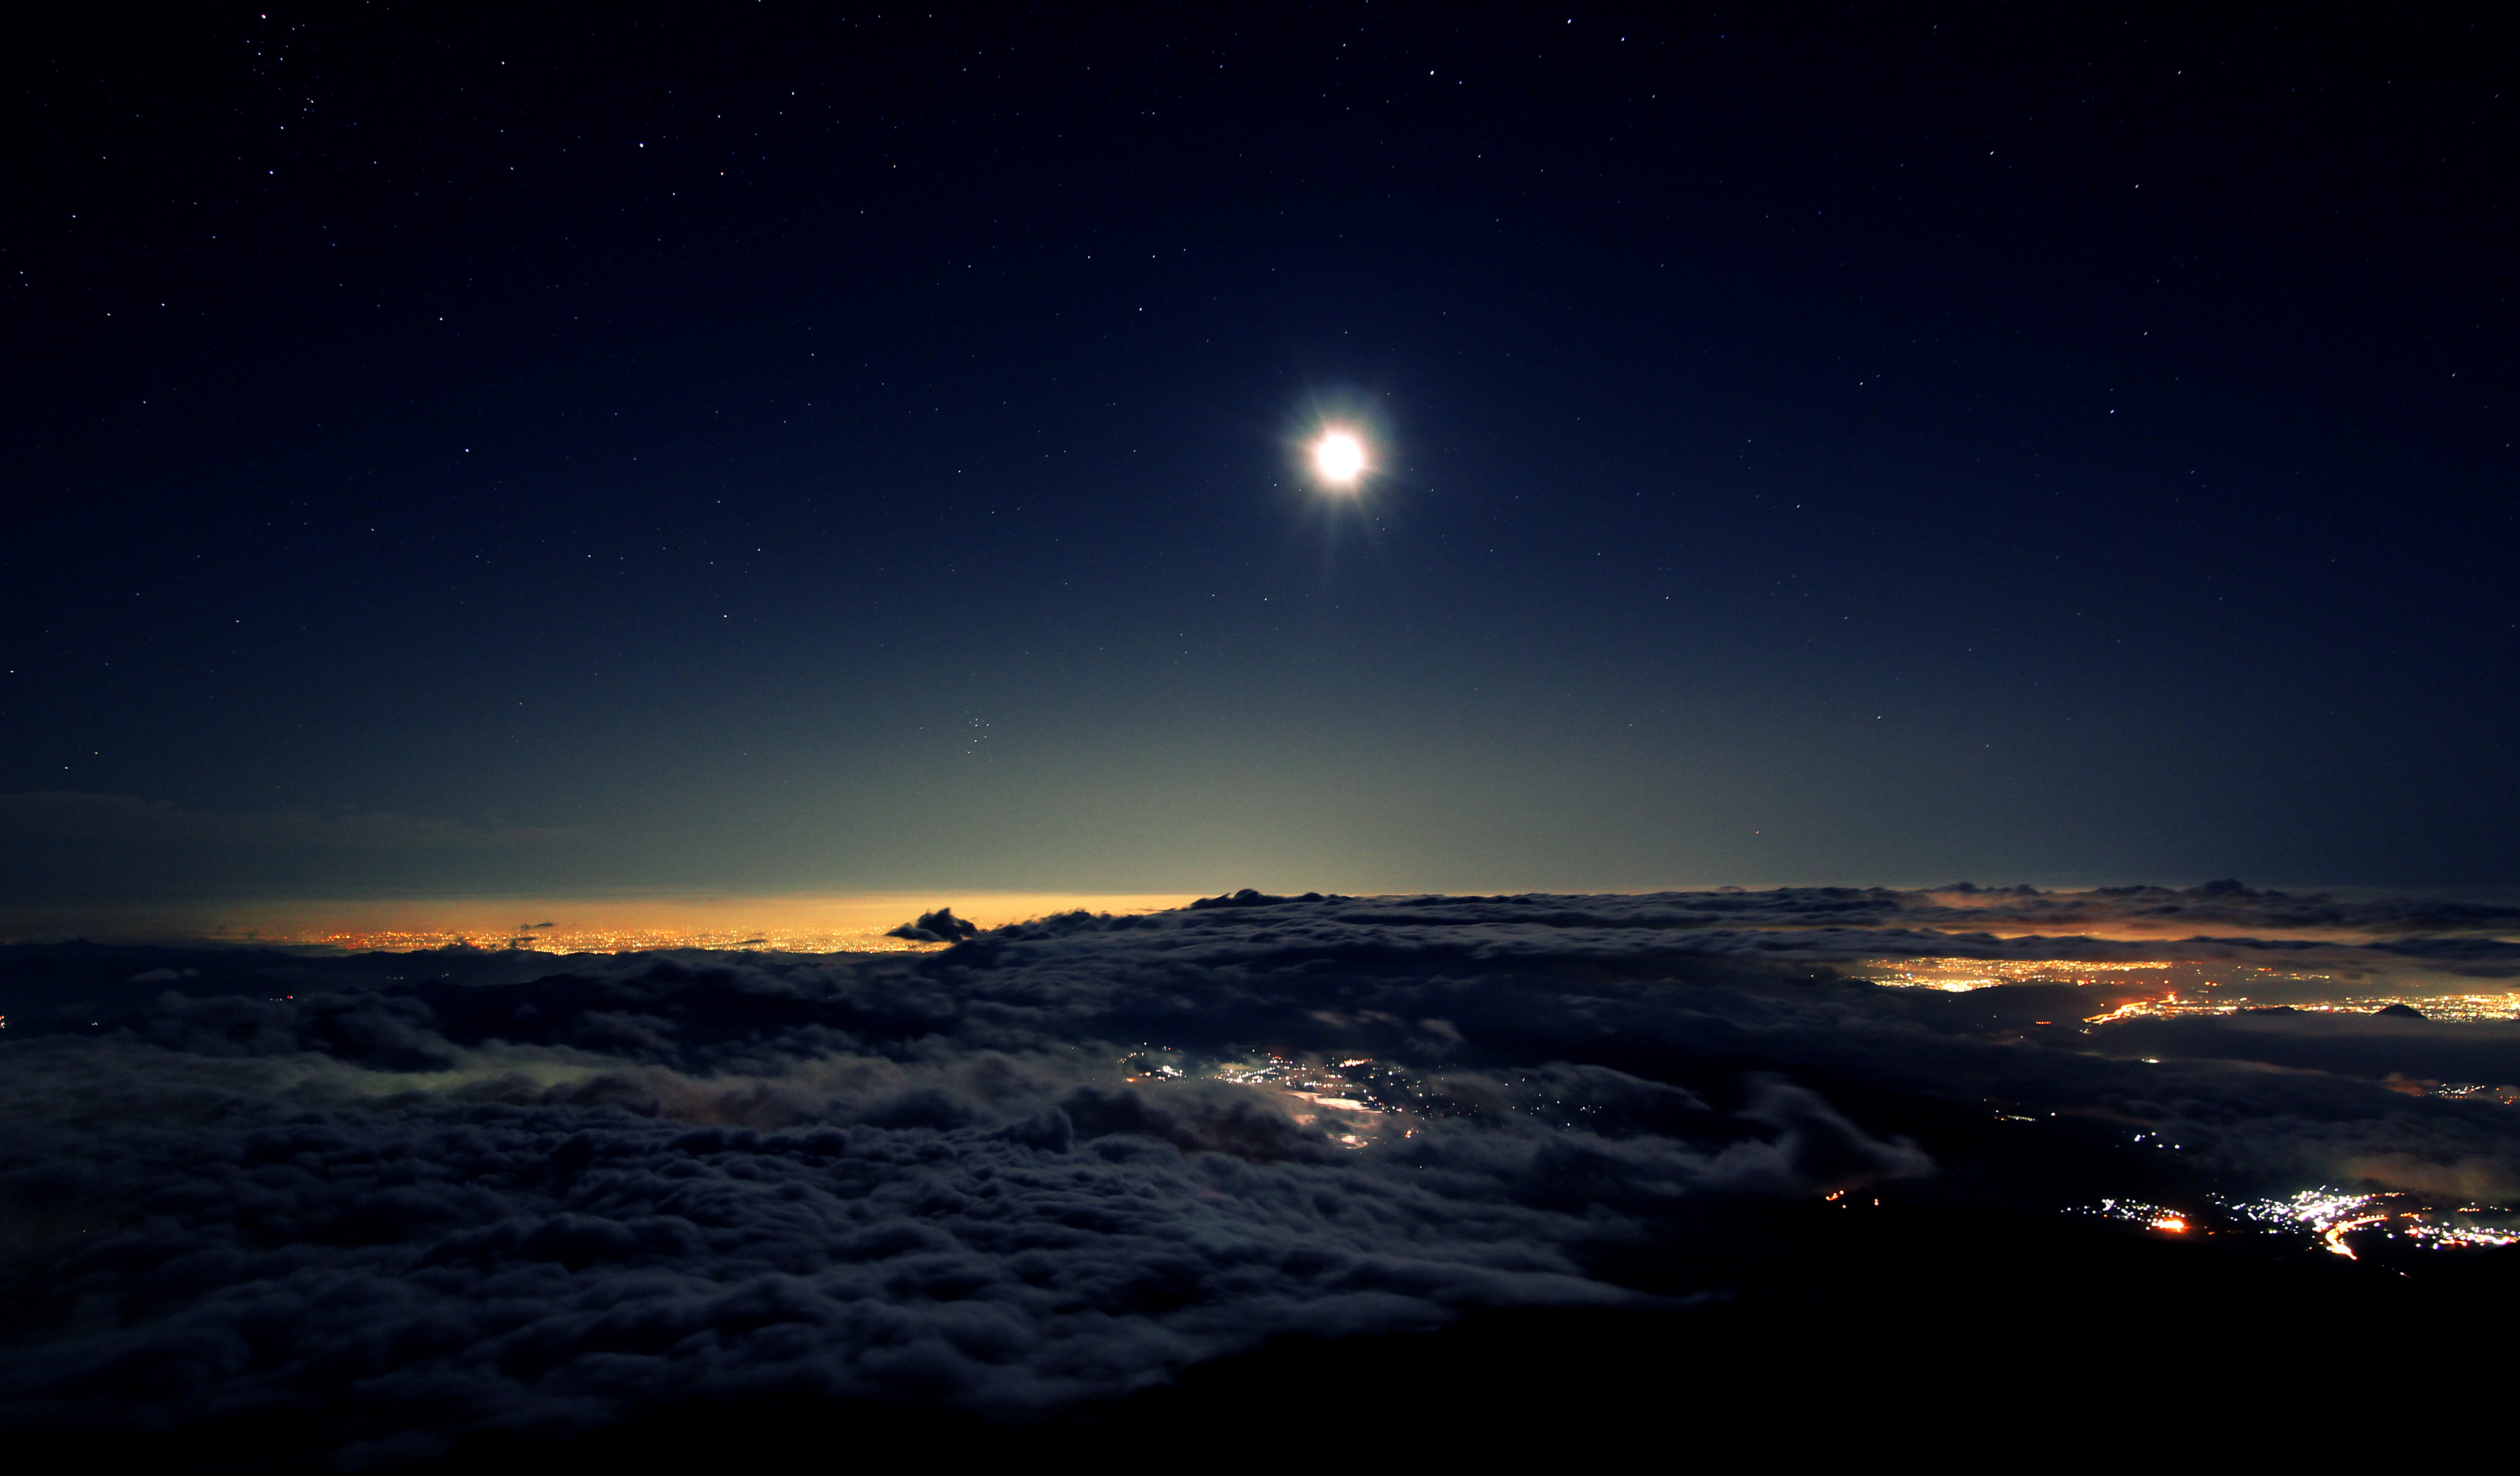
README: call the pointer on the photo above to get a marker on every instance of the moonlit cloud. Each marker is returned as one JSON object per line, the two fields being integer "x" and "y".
{"x": 1056, "y": 1162}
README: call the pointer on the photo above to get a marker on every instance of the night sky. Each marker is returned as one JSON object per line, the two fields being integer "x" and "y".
{"x": 777, "y": 448}
{"x": 1945, "y": 575}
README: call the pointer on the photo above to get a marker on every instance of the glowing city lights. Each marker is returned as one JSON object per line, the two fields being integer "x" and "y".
{"x": 2175, "y": 988}
{"x": 2332, "y": 1219}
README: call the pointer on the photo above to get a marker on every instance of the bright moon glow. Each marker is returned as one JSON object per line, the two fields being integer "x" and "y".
{"x": 1339, "y": 457}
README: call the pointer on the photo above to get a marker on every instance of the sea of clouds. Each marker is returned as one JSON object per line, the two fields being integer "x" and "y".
{"x": 390, "y": 1199}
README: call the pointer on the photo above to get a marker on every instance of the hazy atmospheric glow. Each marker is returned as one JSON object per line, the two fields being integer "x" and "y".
{"x": 850, "y": 922}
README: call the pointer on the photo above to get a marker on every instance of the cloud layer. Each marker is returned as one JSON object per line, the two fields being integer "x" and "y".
{"x": 393, "y": 1198}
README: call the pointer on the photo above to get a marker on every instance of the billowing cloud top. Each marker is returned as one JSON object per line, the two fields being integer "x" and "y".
{"x": 387, "y": 1199}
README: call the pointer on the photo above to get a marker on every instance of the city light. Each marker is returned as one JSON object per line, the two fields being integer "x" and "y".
{"x": 2332, "y": 1220}
{"x": 2174, "y": 989}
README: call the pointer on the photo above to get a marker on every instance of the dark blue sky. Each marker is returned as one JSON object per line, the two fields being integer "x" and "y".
{"x": 797, "y": 449}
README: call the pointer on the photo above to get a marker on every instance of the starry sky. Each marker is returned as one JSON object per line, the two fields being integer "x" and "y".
{"x": 824, "y": 448}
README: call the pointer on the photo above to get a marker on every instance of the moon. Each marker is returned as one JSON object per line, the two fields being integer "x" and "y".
{"x": 1339, "y": 457}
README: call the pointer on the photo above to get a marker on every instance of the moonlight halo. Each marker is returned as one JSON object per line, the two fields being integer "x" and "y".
{"x": 1340, "y": 459}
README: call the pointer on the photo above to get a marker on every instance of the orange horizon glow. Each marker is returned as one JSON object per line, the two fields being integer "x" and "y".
{"x": 826, "y": 923}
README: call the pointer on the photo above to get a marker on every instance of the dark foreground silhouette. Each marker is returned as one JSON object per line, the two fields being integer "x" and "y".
{"x": 1917, "y": 1329}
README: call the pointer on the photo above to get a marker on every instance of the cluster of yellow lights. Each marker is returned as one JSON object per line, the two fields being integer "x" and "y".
{"x": 2454, "y": 1008}
{"x": 1959, "y": 975}
{"x": 1316, "y": 1095}
{"x": 2507, "y": 1094}
{"x": 1354, "y": 1100}
{"x": 598, "y": 940}
{"x": 2184, "y": 988}
{"x": 2435, "y": 1006}
{"x": 2154, "y": 1217}
{"x": 2332, "y": 1216}
{"x": 2149, "y": 1215}
{"x": 2168, "y": 1005}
